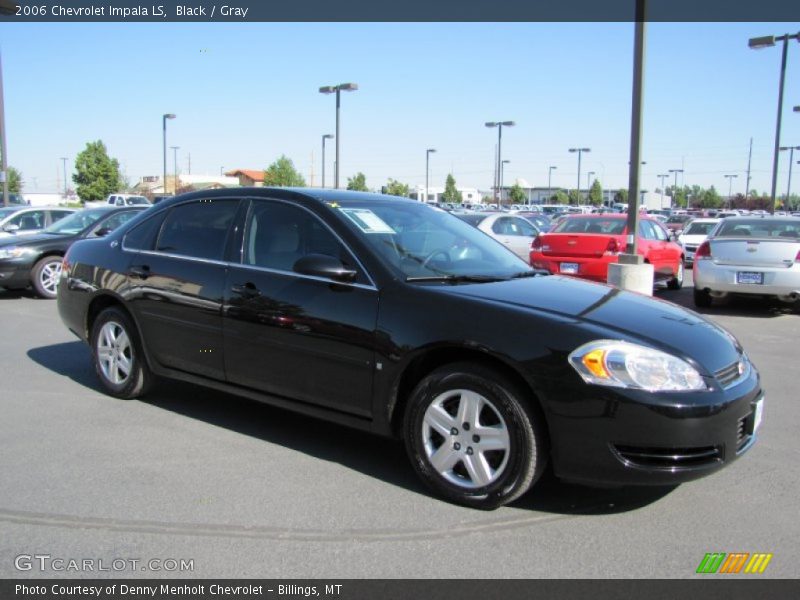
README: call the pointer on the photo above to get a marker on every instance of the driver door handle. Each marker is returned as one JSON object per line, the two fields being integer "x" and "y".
{"x": 140, "y": 271}
{"x": 246, "y": 290}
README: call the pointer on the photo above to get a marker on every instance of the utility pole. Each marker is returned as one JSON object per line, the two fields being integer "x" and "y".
{"x": 4, "y": 159}
{"x": 747, "y": 181}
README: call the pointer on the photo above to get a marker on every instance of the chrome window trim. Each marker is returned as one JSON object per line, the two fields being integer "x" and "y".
{"x": 304, "y": 276}
{"x": 210, "y": 261}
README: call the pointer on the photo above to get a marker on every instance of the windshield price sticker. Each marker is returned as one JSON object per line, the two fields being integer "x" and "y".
{"x": 367, "y": 221}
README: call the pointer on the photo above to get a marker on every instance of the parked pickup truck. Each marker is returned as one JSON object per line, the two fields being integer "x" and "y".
{"x": 121, "y": 200}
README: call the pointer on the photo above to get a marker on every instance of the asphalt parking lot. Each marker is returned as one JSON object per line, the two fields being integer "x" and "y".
{"x": 245, "y": 490}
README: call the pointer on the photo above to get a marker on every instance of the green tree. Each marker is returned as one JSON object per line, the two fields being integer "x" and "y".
{"x": 710, "y": 198}
{"x": 96, "y": 173}
{"x": 15, "y": 181}
{"x": 621, "y": 196}
{"x": 575, "y": 197}
{"x": 596, "y": 194}
{"x": 517, "y": 194}
{"x": 451, "y": 194}
{"x": 395, "y": 188}
{"x": 282, "y": 173}
{"x": 357, "y": 182}
{"x": 560, "y": 197}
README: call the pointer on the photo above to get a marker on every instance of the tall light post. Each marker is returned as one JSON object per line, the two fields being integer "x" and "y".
{"x": 164, "y": 129}
{"x": 549, "y": 181}
{"x": 791, "y": 150}
{"x": 326, "y": 136}
{"x": 337, "y": 89}
{"x": 730, "y": 179}
{"x": 499, "y": 125}
{"x": 662, "y": 177}
{"x": 588, "y": 181}
{"x": 64, "y": 161}
{"x": 502, "y": 171}
{"x": 766, "y": 42}
{"x": 579, "y": 151}
{"x": 175, "y": 167}
{"x": 675, "y": 187}
{"x": 3, "y": 147}
{"x": 221, "y": 169}
{"x": 427, "y": 169}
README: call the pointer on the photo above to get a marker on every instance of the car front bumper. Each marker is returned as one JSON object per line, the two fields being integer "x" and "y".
{"x": 15, "y": 272}
{"x": 607, "y": 436}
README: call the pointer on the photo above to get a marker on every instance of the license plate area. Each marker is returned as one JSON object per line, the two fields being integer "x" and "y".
{"x": 750, "y": 277}
{"x": 569, "y": 268}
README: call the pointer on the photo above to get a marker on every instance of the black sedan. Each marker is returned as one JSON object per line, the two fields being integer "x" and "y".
{"x": 36, "y": 259}
{"x": 394, "y": 317}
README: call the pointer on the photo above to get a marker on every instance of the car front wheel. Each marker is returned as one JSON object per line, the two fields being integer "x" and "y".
{"x": 46, "y": 274}
{"x": 118, "y": 357}
{"x": 472, "y": 437}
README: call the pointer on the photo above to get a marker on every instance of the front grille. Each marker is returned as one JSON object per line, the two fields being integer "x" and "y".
{"x": 744, "y": 432}
{"x": 731, "y": 374}
{"x": 669, "y": 458}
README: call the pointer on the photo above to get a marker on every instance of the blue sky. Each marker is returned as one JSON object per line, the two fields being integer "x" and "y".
{"x": 247, "y": 93}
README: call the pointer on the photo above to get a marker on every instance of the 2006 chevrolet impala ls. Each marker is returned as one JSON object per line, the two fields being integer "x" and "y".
{"x": 395, "y": 317}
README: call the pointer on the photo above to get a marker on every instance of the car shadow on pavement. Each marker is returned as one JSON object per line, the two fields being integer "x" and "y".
{"x": 17, "y": 294}
{"x": 70, "y": 359}
{"x": 375, "y": 456}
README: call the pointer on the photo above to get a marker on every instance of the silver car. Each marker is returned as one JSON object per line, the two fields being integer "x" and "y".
{"x": 750, "y": 256}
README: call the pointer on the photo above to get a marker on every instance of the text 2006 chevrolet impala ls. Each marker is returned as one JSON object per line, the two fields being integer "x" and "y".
{"x": 395, "y": 317}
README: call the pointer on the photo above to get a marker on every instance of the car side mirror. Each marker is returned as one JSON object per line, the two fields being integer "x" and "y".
{"x": 322, "y": 265}
{"x": 103, "y": 231}
{"x": 11, "y": 228}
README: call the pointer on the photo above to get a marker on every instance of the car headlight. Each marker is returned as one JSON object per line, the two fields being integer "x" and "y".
{"x": 623, "y": 364}
{"x": 14, "y": 252}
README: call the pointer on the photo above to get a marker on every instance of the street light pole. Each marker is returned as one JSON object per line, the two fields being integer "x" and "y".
{"x": 502, "y": 170}
{"x": 427, "y": 169}
{"x": 662, "y": 177}
{"x": 675, "y": 187}
{"x": 791, "y": 150}
{"x": 549, "y": 181}
{"x": 164, "y": 128}
{"x": 765, "y": 42}
{"x": 175, "y": 165}
{"x": 730, "y": 179}
{"x": 64, "y": 161}
{"x": 579, "y": 151}
{"x": 337, "y": 89}
{"x": 326, "y": 136}
{"x": 499, "y": 125}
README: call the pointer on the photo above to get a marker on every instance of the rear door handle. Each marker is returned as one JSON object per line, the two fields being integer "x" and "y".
{"x": 246, "y": 290}
{"x": 140, "y": 271}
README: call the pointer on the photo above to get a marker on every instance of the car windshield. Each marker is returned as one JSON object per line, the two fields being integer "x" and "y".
{"x": 135, "y": 200}
{"x": 759, "y": 228}
{"x": 602, "y": 225}
{"x": 421, "y": 242}
{"x": 699, "y": 228}
{"x": 678, "y": 219}
{"x": 76, "y": 222}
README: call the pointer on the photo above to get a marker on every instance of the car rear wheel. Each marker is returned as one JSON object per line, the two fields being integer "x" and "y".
{"x": 45, "y": 276}
{"x": 702, "y": 298}
{"x": 676, "y": 282}
{"x": 118, "y": 357}
{"x": 472, "y": 438}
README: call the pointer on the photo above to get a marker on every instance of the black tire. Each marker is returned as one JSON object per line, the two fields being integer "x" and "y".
{"x": 702, "y": 299}
{"x": 45, "y": 275}
{"x": 503, "y": 415}
{"x": 676, "y": 282}
{"x": 117, "y": 355}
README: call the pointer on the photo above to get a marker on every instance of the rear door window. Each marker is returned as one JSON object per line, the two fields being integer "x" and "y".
{"x": 198, "y": 229}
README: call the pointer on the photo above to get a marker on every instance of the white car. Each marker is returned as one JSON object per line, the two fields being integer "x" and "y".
{"x": 514, "y": 232}
{"x": 756, "y": 256}
{"x": 26, "y": 220}
{"x": 694, "y": 234}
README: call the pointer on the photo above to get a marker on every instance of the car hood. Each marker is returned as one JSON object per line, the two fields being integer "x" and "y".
{"x": 31, "y": 239}
{"x": 624, "y": 315}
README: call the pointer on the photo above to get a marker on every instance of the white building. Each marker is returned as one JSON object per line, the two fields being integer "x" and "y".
{"x": 435, "y": 193}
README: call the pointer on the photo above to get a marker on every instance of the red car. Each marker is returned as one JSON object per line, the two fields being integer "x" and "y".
{"x": 584, "y": 245}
